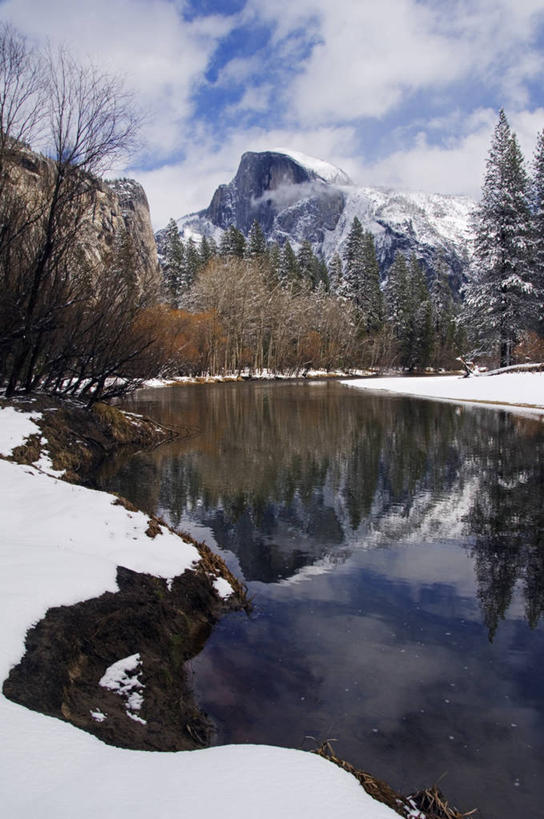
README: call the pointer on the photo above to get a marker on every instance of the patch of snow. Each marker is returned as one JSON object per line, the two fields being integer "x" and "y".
{"x": 518, "y": 392}
{"x": 45, "y": 464}
{"x": 98, "y": 715}
{"x": 136, "y": 718}
{"x": 325, "y": 170}
{"x": 122, "y": 676}
{"x": 223, "y": 587}
{"x": 15, "y": 427}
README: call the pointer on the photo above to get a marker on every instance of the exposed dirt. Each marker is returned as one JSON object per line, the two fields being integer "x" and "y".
{"x": 79, "y": 439}
{"x": 68, "y": 652}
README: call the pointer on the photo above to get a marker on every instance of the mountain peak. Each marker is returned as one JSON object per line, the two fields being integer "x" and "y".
{"x": 324, "y": 170}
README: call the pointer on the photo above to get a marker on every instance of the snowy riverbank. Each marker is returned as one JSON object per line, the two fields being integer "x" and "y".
{"x": 62, "y": 543}
{"x": 518, "y": 392}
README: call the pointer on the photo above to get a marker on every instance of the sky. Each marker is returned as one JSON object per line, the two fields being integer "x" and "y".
{"x": 398, "y": 93}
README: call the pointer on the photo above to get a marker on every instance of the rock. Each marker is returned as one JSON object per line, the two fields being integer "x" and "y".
{"x": 299, "y": 198}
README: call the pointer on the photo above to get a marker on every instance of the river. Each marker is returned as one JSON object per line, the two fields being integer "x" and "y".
{"x": 393, "y": 548}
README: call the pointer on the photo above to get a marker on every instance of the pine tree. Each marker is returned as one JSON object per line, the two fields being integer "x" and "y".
{"x": 537, "y": 230}
{"x": 500, "y": 296}
{"x": 289, "y": 271}
{"x": 307, "y": 264}
{"x": 398, "y": 296}
{"x": 370, "y": 294}
{"x": 274, "y": 260}
{"x": 233, "y": 243}
{"x": 443, "y": 316}
{"x": 207, "y": 250}
{"x": 256, "y": 241}
{"x": 322, "y": 276}
{"x": 174, "y": 263}
{"x": 353, "y": 263}
{"x": 421, "y": 335}
{"x": 336, "y": 273}
{"x": 192, "y": 264}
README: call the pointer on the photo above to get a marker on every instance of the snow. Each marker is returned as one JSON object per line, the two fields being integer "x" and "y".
{"x": 514, "y": 391}
{"x": 223, "y": 587}
{"x": 61, "y": 544}
{"x": 122, "y": 677}
{"x": 325, "y": 170}
{"x": 15, "y": 426}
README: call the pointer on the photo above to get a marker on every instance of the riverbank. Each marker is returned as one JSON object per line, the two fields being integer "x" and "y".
{"x": 517, "y": 392}
{"x": 261, "y": 375}
{"x": 63, "y": 544}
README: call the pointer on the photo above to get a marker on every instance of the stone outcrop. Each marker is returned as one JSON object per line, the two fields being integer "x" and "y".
{"x": 110, "y": 207}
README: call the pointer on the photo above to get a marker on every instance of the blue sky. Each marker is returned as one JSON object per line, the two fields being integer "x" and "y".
{"x": 403, "y": 93}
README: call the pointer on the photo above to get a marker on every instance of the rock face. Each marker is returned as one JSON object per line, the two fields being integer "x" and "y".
{"x": 133, "y": 208}
{"x": 300, "y": 198}
{"x": 111, "y": 206}
{"x": 287, "y": 199}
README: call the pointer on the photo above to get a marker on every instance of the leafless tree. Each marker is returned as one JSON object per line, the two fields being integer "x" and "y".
{"x": 82, "y": 120}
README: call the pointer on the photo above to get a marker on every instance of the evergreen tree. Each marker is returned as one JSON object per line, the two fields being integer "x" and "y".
{"x": 322, "y": 276}
{"x": 336, "y": 273}
{"x": 256, "y": 241}
{"x": 174, "y": 263}
{"x": 289, "y": 271}
{"x": 233, "y": 243}
{"x": 307, "y": 264}
{"x": 398, "y": 297}
{"x": 274, "y": 260}
{"x": 537, "y": 232}
{"x": 207, "y": 250}
{"x": 192, "y": 264}
{"x": 370, "y": 295}
{"x": 421, "y": 331}
{"x": 500, "y": 297}
{"x": 443, "y": 315}
{"x": 353, "y": 263}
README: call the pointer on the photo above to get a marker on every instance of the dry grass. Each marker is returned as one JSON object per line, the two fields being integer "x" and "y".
{"x": 430, "y": 801}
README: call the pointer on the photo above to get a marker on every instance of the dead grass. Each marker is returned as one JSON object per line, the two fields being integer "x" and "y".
{"x": 430, "y": 801}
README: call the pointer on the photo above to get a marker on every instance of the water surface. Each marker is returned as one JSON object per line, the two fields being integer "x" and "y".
{"x": 394, "y": 551}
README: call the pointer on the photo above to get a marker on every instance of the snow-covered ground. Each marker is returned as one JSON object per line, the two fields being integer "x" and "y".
{"x": 61, "y": 544}
{"x": 515, "y": 391}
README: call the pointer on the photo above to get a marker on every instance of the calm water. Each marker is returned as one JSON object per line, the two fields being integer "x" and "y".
{"x": 394, "y": 551}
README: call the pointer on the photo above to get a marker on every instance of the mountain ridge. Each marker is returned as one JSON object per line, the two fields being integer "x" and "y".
{"x": 298, "y": 198}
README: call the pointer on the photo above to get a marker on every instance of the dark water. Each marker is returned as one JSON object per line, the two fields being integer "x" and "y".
{"x": 394, "y": 549}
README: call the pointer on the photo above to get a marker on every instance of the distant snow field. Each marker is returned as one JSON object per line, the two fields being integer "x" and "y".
{"x": 61, "y": 544}
{"x": 515, "y": 391}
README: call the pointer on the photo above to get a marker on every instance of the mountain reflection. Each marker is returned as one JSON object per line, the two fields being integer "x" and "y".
{"x": 286, "y": 475}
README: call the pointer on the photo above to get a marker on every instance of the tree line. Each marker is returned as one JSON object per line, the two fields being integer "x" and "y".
{"x": 408, "y": 323}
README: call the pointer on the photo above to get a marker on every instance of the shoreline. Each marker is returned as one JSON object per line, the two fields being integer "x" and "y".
{"x": 493, "y": 391}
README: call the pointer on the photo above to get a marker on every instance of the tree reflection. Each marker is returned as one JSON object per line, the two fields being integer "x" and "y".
{"x": 285, "y": 475}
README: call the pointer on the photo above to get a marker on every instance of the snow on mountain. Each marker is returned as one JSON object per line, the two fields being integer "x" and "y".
{"x": 299, "y": 198}
{"x": 325, "y": 170}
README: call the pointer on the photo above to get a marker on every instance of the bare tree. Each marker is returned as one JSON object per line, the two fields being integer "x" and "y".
{"x": 82, "y": 120}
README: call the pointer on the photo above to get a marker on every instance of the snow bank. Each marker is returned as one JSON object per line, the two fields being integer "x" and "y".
{"x": 15, "y": 426}
{"x": 61, "y": 544}
{"x": 514, "y": 391}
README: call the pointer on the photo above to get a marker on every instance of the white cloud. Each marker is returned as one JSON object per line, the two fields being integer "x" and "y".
{"x": 161, "y": 57}
{"x": 370, "y": 55}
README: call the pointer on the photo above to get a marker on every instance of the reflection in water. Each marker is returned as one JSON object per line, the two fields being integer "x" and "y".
{"x": 311, "y": 486}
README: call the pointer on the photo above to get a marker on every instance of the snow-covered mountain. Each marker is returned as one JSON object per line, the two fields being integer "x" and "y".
{"x": 298, "y": 198}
